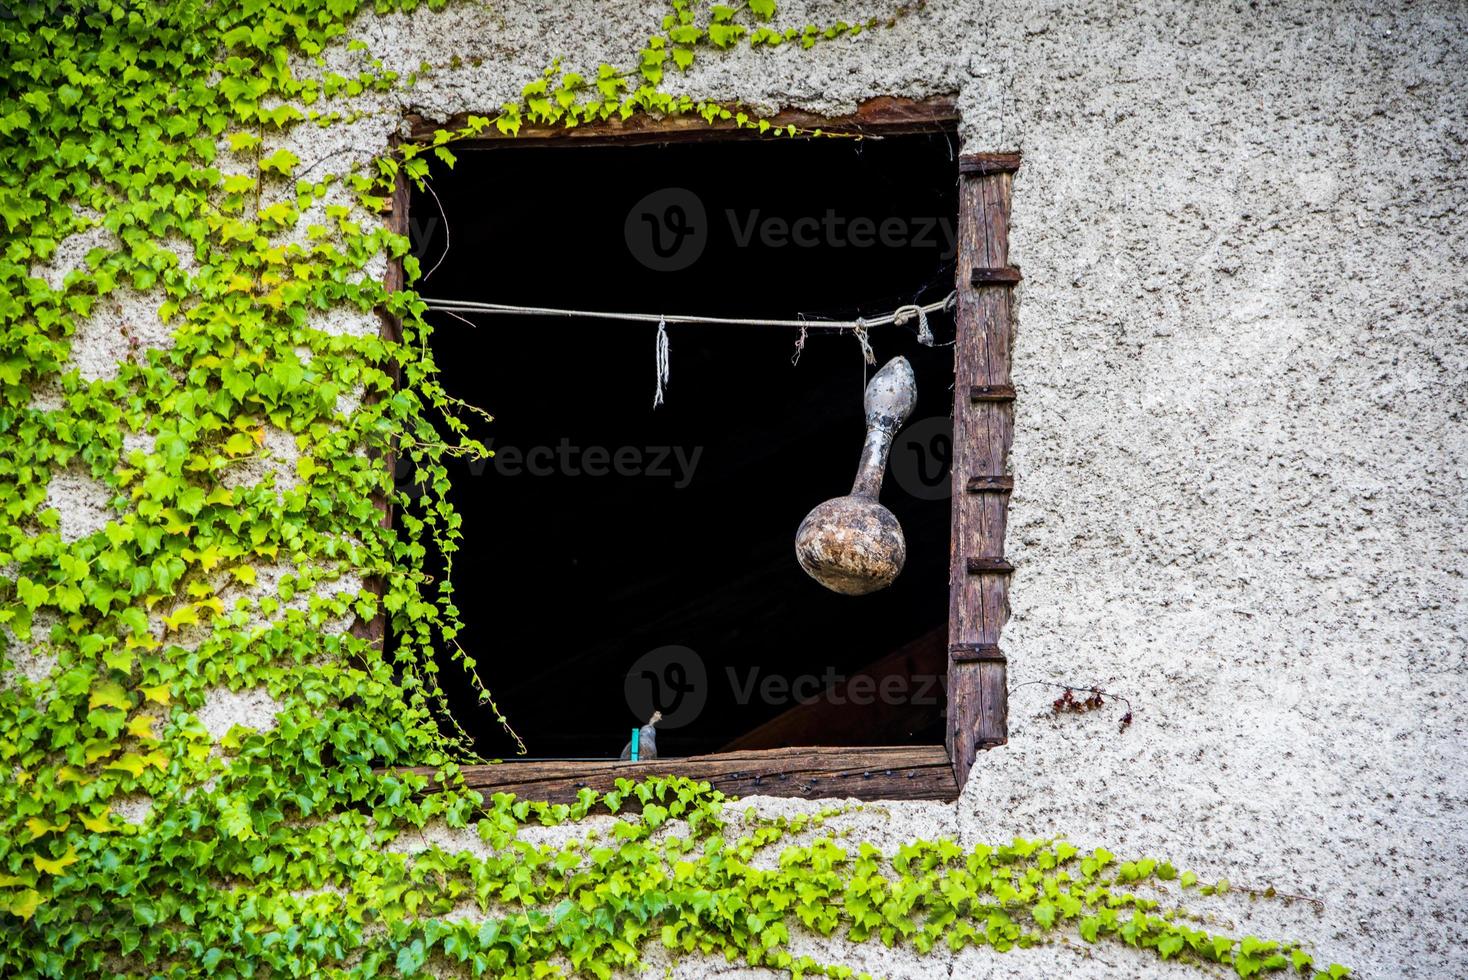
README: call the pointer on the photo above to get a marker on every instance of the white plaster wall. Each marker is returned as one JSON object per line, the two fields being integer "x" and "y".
{"x": 1239, "y": 450}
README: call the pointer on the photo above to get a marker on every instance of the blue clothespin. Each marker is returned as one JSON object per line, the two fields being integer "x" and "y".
{"x": 636, "y": 737}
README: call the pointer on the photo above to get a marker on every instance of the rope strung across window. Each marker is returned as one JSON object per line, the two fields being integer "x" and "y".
{"x": 859, "y": 326}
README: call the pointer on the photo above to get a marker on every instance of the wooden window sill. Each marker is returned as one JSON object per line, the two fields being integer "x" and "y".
{"x": 884, "y": 772}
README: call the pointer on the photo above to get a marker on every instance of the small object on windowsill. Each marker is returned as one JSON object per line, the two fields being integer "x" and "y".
{"x": 852, "y": 544}
{"x": 644, "y": 743}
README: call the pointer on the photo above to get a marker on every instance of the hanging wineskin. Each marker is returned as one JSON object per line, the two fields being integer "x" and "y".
{"x": 852, "y": 544}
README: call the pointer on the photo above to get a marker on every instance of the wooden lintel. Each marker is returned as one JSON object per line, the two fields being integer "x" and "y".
{"x": 984, "y": 164}
{"x": 888, "y": 772}
{"x": 967, "y": 653}
{"x": 991, "y": 393}
{"x": 1005, "y": 276}
{"x": 990, "y": 484}
{"x": 980, "y": 566}
{"x": 884, "y": 115}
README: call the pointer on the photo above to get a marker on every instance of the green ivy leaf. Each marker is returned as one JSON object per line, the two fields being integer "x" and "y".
{"x": 282, "y": 162}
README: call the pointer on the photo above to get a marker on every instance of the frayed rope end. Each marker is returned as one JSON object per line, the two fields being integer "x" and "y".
{"x": 660, "y": 361}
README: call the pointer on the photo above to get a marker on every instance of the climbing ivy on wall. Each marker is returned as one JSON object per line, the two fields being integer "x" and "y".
{"x": 158, "y": 126}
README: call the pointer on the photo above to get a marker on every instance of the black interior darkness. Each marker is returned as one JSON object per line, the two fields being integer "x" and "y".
{"x": 604, "y": 528}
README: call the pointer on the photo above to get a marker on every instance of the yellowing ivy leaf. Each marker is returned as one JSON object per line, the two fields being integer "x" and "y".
{"x": 131, "y": 763}
{"x": 183, "y": 616}
{"x": 282, "y": 161}
{"x": 245, "y": 574}
{"x": 39, "y": 827}
{"x": 239, "y": 444}
{"x": 55, "y": 866}
{"x": 243, "y": 141}
{"x": 158, "y": 694}
{"x": 109, "y": 694}
{"x": 141, "y": 726}
{"x": 119, "y": 660}
{"x": 23, "y": 904}
{"x": 238, "y": 183}
{"x": 98, "y": 824}
{"x": 280, "y": 212}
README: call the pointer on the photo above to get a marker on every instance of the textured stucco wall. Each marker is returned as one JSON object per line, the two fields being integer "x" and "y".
{"x": 1239, "y": 455}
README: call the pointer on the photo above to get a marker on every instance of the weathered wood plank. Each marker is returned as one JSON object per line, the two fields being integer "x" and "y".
{"x": 983, "y": 431}
{"x": 883, "y": 115}
{"x": 864, "y": 773}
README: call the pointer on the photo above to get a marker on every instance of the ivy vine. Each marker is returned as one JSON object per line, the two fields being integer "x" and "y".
{"x": 135, "y": 842}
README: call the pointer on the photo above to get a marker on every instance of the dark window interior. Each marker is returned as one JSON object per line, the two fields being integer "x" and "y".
{"x": 566, "y": 579}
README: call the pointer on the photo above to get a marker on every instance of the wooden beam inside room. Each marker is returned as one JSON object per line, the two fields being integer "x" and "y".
{"x": 837, "y": 715}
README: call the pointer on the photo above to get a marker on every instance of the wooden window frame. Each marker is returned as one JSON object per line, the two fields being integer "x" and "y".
{"x": 983, "y": 425}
